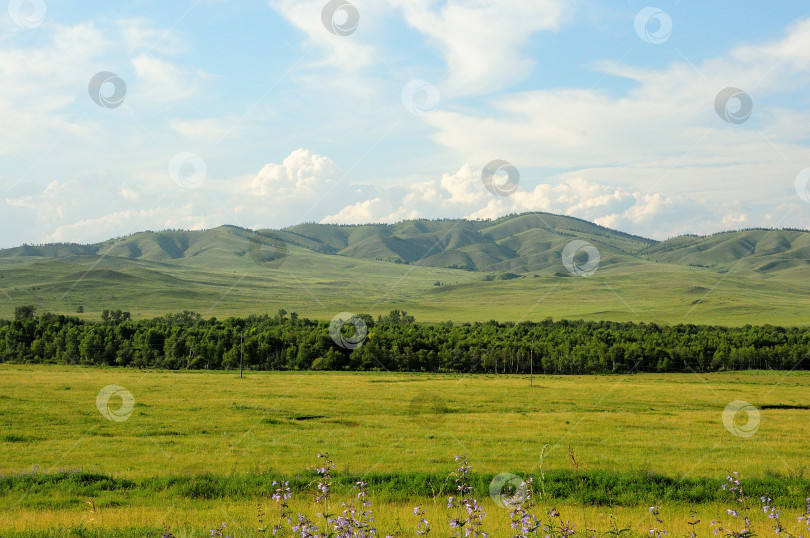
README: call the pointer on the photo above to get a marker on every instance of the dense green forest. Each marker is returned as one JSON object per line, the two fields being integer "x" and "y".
{"x": 396, "y": 342}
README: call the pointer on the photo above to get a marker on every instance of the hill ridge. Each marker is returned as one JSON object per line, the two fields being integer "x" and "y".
{"x": 458, "y": 268}
{"x": 514, "y": 242}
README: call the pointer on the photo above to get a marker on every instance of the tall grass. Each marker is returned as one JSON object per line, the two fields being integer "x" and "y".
{"x": 594, "y": 488}
{"x": 448, "y": 505}
{"x": 466, "y": 517}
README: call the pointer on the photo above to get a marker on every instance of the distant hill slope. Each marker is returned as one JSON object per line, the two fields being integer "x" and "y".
{"x": 514, "y": 243}
{"x": 748, "y": 250}
{"x": 444, "y": 267}
{"x": 525, "y": 243}
{"x": 518, "y": 242}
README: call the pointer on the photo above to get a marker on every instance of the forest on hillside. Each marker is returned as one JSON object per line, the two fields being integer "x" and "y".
{"x": 396, "y": 342}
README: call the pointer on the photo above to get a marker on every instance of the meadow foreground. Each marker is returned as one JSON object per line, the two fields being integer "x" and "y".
{"x": 96, "y": 448}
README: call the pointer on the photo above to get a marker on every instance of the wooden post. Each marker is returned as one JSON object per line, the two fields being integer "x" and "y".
{"x": 241, "y": 351}
{"x": 531, "y": 366}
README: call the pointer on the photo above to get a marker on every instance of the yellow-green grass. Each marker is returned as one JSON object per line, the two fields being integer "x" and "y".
{"x": 194, "y": 518}
{"x": 188, "y": 424}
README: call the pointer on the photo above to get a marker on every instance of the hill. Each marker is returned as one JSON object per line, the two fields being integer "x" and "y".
{"x": 508, "y": 269}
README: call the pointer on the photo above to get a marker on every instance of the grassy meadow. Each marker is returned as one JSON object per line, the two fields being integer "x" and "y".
{"x": 318, "y": 286}
{"x": 202, "y": 448}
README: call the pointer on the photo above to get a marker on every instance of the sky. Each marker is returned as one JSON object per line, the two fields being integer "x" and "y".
{"x": 658, "y": 120}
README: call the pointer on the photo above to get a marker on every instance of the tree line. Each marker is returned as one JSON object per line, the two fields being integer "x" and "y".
{"x": 396, "y": 342}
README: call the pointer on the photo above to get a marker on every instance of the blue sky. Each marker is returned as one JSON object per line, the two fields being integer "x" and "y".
{"x": 256, "y": 114}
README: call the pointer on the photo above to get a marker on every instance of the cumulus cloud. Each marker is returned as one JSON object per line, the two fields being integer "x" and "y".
{"x": 462, "y": 195}
{"x": 95, "y": 207}
{"x": 374, "y": 210}
{"x": 126, "y": 221}
{"x": 306, "y": 186}
{"x": 650, "y": 156}
{"x": 87, "y": 198}
{"x": 301, "y": 175}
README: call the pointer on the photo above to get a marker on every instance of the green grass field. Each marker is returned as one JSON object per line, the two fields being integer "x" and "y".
{"x": 318, "y": 286}
{"x": 202, "y": 448}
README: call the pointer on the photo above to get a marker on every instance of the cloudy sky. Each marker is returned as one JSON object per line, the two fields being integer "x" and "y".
{"x": 126, "y": 116}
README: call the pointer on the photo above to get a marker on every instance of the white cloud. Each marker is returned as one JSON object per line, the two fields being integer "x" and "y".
{"x": 481, "y": 40}
{"x": 655, "y": 159}
{"x": 306, "y": 186}
{"x": 138, "y": 35}
{"x": 80, "y": 198}
{"x": 48, "y": 117}
{"x": 301, "y": 175}
{"x": 462, "y": 195}
{"x": 361, "y": 212}
{"x": 206, "y": 129}
{"x": 40, "y": 84}
{"x": 95, "y": 207}
{"x": 160, "y": 81}
{"x": 125, "y": 222}
{"x": 343, "y": 53}
{"x": 665, "y": 127}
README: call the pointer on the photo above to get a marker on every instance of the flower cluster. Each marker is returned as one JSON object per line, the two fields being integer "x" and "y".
{"x": 739, "y": 509}
{"x": 219, "y": 532}
{"x": 473, "y": 514}
{"x": 355, "y": 522}
{"x": 523, "y": 521}
{"x": 325, "y": 480}
{"x": 806, "y": 516}
{"x": 693, "y": 522}
{"x": 773, "y": 513}
{"x": 466, "y": 515}
{"x": 556, "y": 527}
{"x": 281, "y": 496}
{"x": 423, "y": 525}
{"x": 306, "y": 528}
{"x": 657, "y": 529}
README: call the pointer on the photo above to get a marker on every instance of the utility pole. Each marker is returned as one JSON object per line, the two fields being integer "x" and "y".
{"x": 531, "y": 365}
{"x": 241, "y": 351}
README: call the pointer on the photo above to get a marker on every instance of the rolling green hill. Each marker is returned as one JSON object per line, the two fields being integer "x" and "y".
{"x": 764, "y": 251}
{"x": 506, "y": 269}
